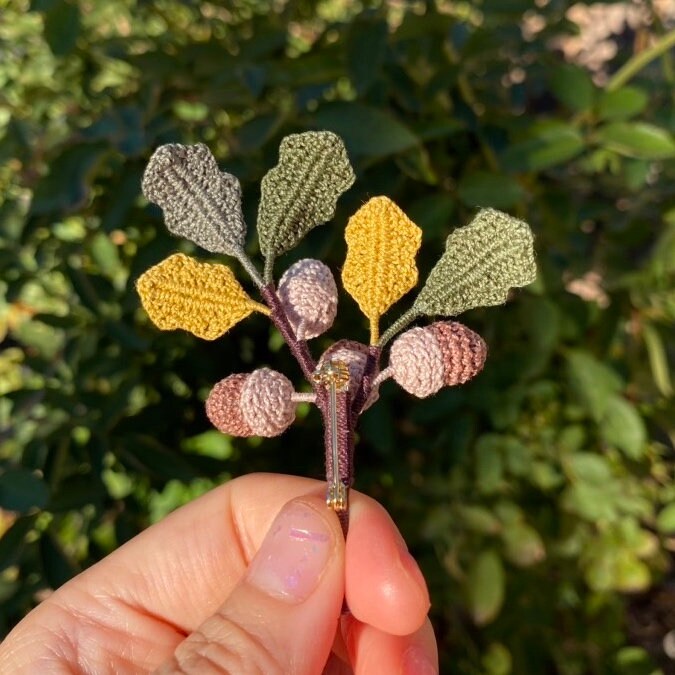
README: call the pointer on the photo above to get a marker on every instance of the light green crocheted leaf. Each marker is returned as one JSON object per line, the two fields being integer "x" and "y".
{"x": 200, "y": 202}
{"x": 300, "y": 192}
{"x": 482, "y": 261}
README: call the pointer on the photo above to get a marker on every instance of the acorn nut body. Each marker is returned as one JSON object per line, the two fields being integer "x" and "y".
{"x": 446, "y": 353}
{"x": 309, "y": 295}
{"x": 255, "y": 404}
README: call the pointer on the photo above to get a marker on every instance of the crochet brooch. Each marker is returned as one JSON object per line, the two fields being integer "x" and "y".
{"x": 481, "y": 263}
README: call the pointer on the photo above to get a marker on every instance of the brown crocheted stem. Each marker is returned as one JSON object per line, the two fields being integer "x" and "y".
{"x": 366, "y": 384}
{"x": 348, "y": 407}
{"x": 298, "y": 347}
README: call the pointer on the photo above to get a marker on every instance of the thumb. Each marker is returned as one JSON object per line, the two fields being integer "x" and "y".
{"x": 283, "y": 614}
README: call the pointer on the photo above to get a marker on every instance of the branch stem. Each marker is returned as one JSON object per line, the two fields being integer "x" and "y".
{"x": 398, "y": 325}
{"x": 250, "y": 268}
{"x": 268, "y": 273}
{"x": 278, "y": 316}
{"x": 640, "y": 60}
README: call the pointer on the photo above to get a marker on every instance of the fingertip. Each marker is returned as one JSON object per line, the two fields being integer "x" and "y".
{"x": 383, "y": 584}
{"x": 374, "y": 651}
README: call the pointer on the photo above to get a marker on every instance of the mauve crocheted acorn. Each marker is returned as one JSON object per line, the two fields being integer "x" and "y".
{"x": 309, "y": 295}
{"x": 255, "y": 404}
{"x": 445, "y": 353}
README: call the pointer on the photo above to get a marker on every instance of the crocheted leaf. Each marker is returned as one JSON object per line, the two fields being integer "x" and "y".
{"x": 300, "y": 192}
{"x": 482, "y": 261}
{"x": 202, "y": 298}
{"x": 380, "y": 265}
{"x": 200, "y": 202}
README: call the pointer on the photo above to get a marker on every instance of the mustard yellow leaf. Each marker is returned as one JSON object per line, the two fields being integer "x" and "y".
{"x": 380, "y": 266}
{"x": 202, "y": 298}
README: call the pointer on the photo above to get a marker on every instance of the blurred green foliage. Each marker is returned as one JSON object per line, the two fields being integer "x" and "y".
{"x": 536, "y": 497}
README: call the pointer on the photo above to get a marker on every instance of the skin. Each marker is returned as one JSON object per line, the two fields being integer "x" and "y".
{"x": 180, "y": 597}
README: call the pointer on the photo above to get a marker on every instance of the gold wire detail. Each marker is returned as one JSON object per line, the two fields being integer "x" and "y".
{"x": 334, "y": 375}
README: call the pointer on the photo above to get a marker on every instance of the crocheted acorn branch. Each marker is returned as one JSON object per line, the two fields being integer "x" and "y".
{"x": 481, "y": 263}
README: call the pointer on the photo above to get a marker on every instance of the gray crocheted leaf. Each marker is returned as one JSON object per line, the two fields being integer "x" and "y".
{"x": 200, "y": 202}
{"x": 300, "y": 192}
{"x": 482, "y": 261}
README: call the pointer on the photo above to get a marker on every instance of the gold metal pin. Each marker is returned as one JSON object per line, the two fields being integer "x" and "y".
{"x": 334, "y": 375}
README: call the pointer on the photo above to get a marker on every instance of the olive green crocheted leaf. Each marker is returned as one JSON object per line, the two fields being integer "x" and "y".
{"x": 200, "y": 202}
{"x": 482, "y": 261}
{"x": 300, "y": 192}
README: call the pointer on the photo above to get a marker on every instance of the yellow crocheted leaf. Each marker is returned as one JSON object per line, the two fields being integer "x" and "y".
{"x": 380, "y": 266}
{"x": 202, "y": 298}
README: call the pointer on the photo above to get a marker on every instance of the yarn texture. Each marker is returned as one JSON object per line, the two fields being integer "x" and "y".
{"x": 481, "y": 262}
{"x": 223, "y": 406}
{"x": 266, "y": 404}
{"x": 309, "y": 295}
{"x": 464, "y": 351}
{"x": 446, "y": 353}
{"x": 354, "y": 354}
{"x": 380, "y": 268}
{"x": 200, "y": 202}
{"x": 416, "y": 361}
{"x": 202, "y": 298}
{"x": 302, "y": 190}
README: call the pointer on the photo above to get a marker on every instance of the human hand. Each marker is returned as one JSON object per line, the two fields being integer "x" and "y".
{"x": 249, "y": 578}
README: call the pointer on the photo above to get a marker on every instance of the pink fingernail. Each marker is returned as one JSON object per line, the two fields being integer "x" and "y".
{"x": 417, "y": 662}
{"x": 293, "y": 555}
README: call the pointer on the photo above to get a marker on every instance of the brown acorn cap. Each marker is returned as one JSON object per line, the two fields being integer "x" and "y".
{"x": 464, "y": 351}
{"x": 223, "y": 406}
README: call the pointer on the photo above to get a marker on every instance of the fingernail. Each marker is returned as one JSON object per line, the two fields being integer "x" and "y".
{"x": 417, "y": 662}
{"x": 293, "y": 555}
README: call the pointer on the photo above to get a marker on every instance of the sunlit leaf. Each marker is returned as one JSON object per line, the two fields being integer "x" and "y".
{"x": 202, "y": 298}
{"x": 658, "y": 359}
{"x": 380, "y": 268}
{"x": 301, "y": 191}
{"x": 200, "y": 202}
{"x": 551, "y": 145}
{"x": 485, "y": 587}
{"x": 573, "y": 86}
{"x": 665, "y": 521}
{"x": 637, "y": 139}
{"x": 622, "y": 103}
{"x": 592, "y": 381}
{"x": 481, "y": 263}
{"x": 622, "y": 427}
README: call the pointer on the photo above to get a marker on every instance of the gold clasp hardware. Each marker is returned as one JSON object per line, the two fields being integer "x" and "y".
{"x": 334, "y": 375}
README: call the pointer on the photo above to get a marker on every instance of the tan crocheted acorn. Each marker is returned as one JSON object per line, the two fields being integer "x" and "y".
{"x": 445, "y": 353}
{"x": 309, "y": 295}
{"x": 256, "y": 404}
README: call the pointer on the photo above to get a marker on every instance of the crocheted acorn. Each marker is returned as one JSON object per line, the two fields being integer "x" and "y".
{"x": 255, "y": 404}
{"x": 444, "y": 353}
{"x": 309, "y": 295}
{"x": 354, "y": 354}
